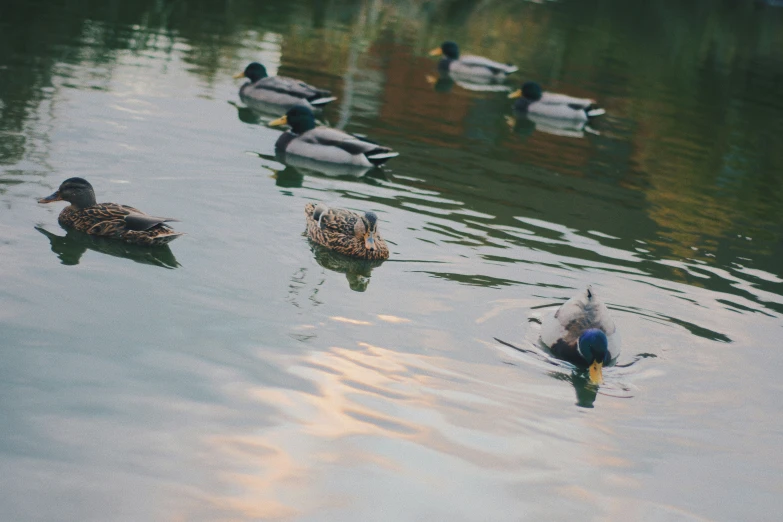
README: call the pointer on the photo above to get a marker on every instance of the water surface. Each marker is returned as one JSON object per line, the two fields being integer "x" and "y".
{"x": 241, "y": 375}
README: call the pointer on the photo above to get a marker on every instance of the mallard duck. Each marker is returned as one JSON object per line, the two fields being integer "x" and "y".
{"x": 279, "y": 90}
{"x": 583, "y": 333}
{"x": 471, "y": 66}
{"x": 326, "y": 144}
{"x": 345, "y": 232}
{"x": 532, "y": 100}
{"x": 108, "y": 219}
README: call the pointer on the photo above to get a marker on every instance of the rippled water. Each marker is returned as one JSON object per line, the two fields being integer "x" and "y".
{"x": 242, "y": 376}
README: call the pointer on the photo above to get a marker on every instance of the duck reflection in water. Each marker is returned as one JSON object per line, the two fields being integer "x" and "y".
{"x": 357, "y": 271}
{"x": 74, "y": 244}
{"x": 586, "y": 391}
{"x": 297, "y": 167}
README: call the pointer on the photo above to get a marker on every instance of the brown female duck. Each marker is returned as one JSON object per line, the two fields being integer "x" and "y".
{"x": 108, "y": 219}
{"x": 346, "y": 232}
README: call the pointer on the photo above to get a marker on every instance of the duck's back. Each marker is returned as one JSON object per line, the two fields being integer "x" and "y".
{"x": 480, "y": 66}
{"x": 116, "y": 221}
{"x": 332, "y": 145}
{"x": 558, "y": 111}
{"x": 283, "y": 91}
{"x": 564, "y": 99}
{"x": 583, "y": 311}
{"x": 324, "y": 224}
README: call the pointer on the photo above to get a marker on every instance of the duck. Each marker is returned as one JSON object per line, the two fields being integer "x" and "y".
{"x": 533, "y": 100}
{"x": 279, "y": 90}
{"x": 326, "y": 144}
{"x": 476, "y": 67}
{"x": 345, "y": 232}
{"x": 109, "y": 220}
{"x": 583, "y": 333}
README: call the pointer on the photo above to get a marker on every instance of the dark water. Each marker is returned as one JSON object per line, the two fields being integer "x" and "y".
{"x": 242, "y": 376}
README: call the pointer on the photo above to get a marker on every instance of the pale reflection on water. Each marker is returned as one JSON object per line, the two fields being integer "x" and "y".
{"x": 242, "y": 374}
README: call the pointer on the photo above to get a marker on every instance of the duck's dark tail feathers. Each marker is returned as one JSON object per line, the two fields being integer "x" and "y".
{"x": 166, "y": 237}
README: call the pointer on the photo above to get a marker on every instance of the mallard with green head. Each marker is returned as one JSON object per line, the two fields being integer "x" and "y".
{"x": 279, "y": 90}
{"x": 345, "y": 232}
{"x": 471, "y": 66}
{"x": 326, "y": 144}
{"x": 108, "y": 219}
{"x": 583, "y": 333}
{"x": 533, "y": 100}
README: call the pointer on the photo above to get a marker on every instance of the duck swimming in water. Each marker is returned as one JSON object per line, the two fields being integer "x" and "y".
{"x": 326, "y": 144}
{"x": 346, "y": 232}
{"x": 533, "y": 100}
{"x": 108, "y": 219}
{"x": 477, "y": 67}
{"x": 582, "y": 332}
{"x": 279, "y": 90}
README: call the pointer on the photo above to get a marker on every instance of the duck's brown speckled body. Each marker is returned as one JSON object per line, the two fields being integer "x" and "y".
{"x": 346, "y": 232}
{"x": 109, "y": 219}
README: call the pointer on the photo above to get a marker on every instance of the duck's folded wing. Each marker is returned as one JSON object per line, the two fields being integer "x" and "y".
{"x": 337, "y": 138}
{"x": 584, "y": 310}
{"x": 134, "y": 219}
{"x": 338, "y": 220}
{"x": 144, "y": 222}
{"x": 480, "y": 61}
{"x": 563, "y": 99}
{"x": 290, "y": 86}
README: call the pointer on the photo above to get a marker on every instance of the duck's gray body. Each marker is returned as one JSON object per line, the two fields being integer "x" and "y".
{"x": 561, "y": 331}
{"x": 476, "y": 67}
{"x": 284, "y": 93}
{"x": 326, "y": 168}
{"x": 559, "y": 106}
{"x": 333, "y": 146}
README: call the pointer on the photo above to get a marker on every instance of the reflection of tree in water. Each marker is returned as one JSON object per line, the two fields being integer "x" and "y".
{"x": 704, "y": 175}
{"x": 70, "y": 248}
{"x": 357, "y": 271}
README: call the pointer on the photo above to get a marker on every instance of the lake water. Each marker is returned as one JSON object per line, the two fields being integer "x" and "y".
{"x": 241, "y": 376}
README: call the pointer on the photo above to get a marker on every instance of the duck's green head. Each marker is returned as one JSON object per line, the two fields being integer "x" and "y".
{"x": 447, "y": 49}
{"x": 254, "y": 72}
{"x": 530, "y": 91}
{"x": 76, "y": 191}
{"x": 593, "y": 346}
{"x": 367, "y": 229}
{"x": 299, "y": 118}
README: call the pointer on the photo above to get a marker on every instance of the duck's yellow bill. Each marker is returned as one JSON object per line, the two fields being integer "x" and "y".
{"x": 282, "y": 120}
{"x": 239, "y": 75}
{"x": 431, "y": 79}
{"x": 596, "y": 373}
{"x": 436, "y": 52}
{"x": 516, "y": 94}
{"x": 54, "y": 197}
